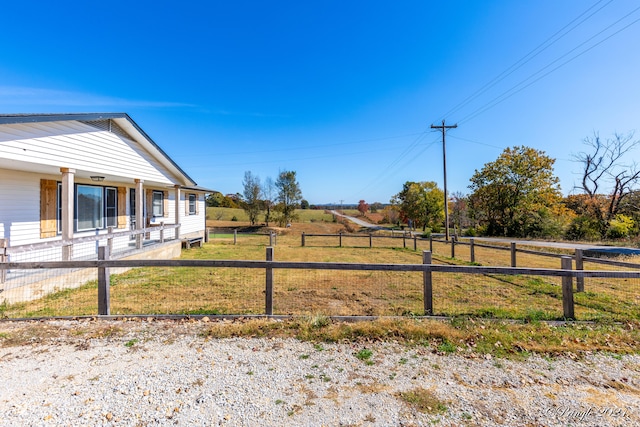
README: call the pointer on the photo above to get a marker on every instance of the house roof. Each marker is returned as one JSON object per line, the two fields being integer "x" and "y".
{"x": 122, "y": 119}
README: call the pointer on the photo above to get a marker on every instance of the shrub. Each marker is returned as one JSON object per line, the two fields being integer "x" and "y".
{"x": 620, "y": 227}
{"x": 583, "y": 228}
{"x": 234, "y": 218}
{"x": 470, "y": 232}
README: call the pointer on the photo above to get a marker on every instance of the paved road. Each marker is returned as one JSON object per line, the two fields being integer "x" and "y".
{"x": 565, "y": 245}
{"x": 360, "y": 222}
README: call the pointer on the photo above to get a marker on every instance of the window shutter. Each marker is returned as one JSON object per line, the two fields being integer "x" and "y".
{"x": 165, "y": 201}
{"x": 48, "y": 208}
{"x": 149, "y": 205}
{"x": 197, "y": 204}
{"x": 186, "y": 204}
{"x": 122, "y": 207}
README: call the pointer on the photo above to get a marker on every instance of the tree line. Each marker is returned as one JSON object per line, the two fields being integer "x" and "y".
{"x": 518, "y": 195}
{"x": 275, "y": 200}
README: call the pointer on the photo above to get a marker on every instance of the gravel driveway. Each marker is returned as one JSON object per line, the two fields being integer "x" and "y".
{"x": 167, "y": 373}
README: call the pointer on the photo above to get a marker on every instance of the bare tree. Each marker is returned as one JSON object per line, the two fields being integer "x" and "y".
{"x": 268, "y": 195}
{"x": 251, "y": 185}
{"x": 604, "y": 167}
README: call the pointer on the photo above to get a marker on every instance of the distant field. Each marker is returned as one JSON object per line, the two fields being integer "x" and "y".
{"x": 227, "y": 214}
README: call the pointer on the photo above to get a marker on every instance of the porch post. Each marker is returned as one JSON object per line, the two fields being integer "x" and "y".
{"x": 177, "y": 210}
{"x": 67, "y": 211}
{"x": 139, "y": 211}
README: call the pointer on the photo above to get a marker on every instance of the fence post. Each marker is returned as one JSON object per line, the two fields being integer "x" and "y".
{"x": 235, "y": 236}
{"x": 472, "y": 249}
{"x": 3, "y": 258}
{"x": 453, "y": 247}
{"x": 104, "y": 308}
{"x": 415, "y": 243}
{"x": 404, "y": 240}
{"x": 513, "y": 254}
{"x": 430, "y": 243}
{"x": 110, "y": 239}
{"x": 340, "y": 234}
{"x": 427, "y": 284}
{"x": 206, "y": 235}
{"x": 370, "y": 240}
{"x": 268, "y": 295}
{"x": 567, "y": 290}
{"x": 271, "y": 238}
{"x": 580, "y": 266}
{"x": 303, "y": 240}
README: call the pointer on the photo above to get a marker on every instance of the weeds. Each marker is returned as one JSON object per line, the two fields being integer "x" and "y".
{"x": 423, "y": 400}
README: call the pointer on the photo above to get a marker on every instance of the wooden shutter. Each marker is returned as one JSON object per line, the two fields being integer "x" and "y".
{"x": 197, "y": 204}
{"x": 48, "y": 208}
{"x": 122, "y": 207}
{"x": 149, "y": 203}
{"x": 186, "y": 204}
{"x": 165, "y": 201}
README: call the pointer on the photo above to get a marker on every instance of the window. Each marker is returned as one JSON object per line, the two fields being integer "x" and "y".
{"x": 111, "y": 206}
{"x": 157, "y": 203}
{"x": 193, "y": 200}
{"x": 89, "y": 207}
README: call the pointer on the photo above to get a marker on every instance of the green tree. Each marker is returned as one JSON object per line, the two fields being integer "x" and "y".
{"x": 421, "y": 202}
{"x": 517, "y": 195}
{"x": 289, "y": 194}
{"x": 215, "y": 199}
{"x": 251, "y": 193}
{"x": 304, "y": 204}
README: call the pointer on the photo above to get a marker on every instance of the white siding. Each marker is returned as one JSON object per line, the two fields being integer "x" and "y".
{"x": 19, "y": 207}
{"x": 192, "y": 224}
{"x": 80, "y": 146}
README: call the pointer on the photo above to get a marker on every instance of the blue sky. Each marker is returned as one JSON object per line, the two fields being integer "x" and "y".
{"x": 343, "y": 93}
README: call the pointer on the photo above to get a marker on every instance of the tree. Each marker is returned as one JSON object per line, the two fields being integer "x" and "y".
{"x": 459, "y": 208}
{"x": 517, "y": 195}
{"x": 289, "y": 194}
{"x": 251, "y": 193}
{"x": 391, "y": 214}
{"x": 304, "y": 204}
{"x": 602, "y": 168}
{"x": 268, "y": 196}
{"x": 363, "y": 207}
{"x": 421, "y": 202}
{"x": 215, "y": 199}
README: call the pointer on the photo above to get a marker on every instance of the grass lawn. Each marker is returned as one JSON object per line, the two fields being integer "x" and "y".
{"x": 189, "y": 290}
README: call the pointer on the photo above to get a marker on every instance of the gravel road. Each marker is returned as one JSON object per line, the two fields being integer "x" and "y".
{"x": 168, "y": 373}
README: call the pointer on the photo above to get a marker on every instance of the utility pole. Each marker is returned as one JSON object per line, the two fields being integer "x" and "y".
{"x": 444, "y": 160}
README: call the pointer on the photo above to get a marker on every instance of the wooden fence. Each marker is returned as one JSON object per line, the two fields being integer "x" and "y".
{"x": 104, "y": 264}
{"x": 512, "y": 247}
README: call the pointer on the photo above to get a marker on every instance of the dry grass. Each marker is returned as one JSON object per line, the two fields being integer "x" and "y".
{"x": 423, "y": 400}
{"x": 337, "y": 293}
{"x": 471, "y": 338}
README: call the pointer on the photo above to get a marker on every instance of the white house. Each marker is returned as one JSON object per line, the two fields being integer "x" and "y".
{"x": 66, "y": 176}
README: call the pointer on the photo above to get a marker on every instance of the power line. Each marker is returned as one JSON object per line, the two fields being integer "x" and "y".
{"x": 528, "y": 57}
{"x": 519, "y": 87}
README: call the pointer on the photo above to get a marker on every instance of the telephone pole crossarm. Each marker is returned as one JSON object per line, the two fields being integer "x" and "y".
{"x": 443, "y": 127}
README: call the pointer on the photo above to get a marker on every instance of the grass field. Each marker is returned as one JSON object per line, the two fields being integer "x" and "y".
{"x": 184, "y": 290}
{"x": 304, "y": 215}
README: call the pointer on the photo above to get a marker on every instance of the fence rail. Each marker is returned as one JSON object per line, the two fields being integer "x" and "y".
{"x": 428, "y": 294}
{"x": 512, "y": 247}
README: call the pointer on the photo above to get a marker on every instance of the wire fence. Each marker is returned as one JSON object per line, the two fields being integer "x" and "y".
{"x": 231, "y": 287}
